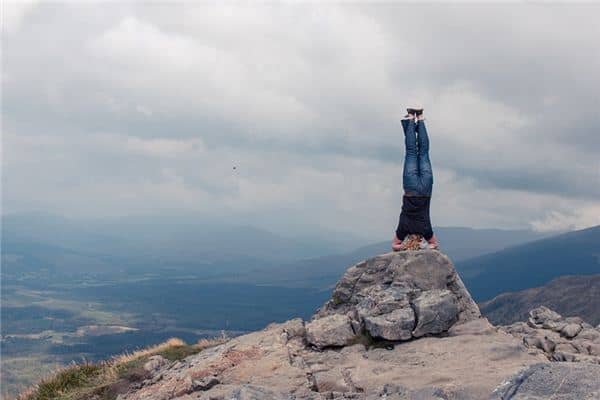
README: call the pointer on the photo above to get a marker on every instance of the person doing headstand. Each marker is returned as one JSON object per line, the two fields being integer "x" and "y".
{"x": 417, "y": 182}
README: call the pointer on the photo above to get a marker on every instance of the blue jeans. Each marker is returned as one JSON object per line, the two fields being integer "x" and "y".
{"x": 418, "y": 177}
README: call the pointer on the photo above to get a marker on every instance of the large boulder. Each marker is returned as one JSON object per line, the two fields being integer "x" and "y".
{"x": 398, "y": 296}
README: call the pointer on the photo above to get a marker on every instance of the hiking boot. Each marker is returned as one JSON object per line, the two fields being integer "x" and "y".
{"x": 417, "y": 111}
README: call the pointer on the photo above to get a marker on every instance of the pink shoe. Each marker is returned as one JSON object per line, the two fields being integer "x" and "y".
{"x": 433, "y": 243}
{"x": 396, "y": 244}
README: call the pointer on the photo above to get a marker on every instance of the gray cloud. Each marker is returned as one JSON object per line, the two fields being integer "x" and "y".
{"x": 141, "y": 108}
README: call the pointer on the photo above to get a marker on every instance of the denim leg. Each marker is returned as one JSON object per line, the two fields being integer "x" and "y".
{"x": 425, "y": 171}
{"x": 410, "y": 178}
{"x": 404, "y": 123}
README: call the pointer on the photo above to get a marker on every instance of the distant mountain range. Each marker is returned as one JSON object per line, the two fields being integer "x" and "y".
{"x": 118, "y": 247}
{"x": 61, "y": 245}
{"x": 464, "y": 243}
{"x": 532, "y": 264}
{"x": 567, "y": 295}
{"x": 458, "y": 243}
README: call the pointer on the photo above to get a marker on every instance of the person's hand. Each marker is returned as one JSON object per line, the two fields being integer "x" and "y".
{"x": 433, "y": 243}
{"x": 396, "y": 243}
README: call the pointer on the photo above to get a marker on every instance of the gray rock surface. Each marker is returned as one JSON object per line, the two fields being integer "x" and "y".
{"x": 155, "y": 362}
{"x": 560, "y": 339}
{"x": 401, "y": 296}
{"x": 332, "y": 330}
{"x": 557, "y": 381}
{"x": 436, "y": 310}
{"x": 395, "y": 325}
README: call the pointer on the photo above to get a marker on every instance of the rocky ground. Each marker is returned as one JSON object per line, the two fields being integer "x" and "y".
{"x": 558, "y": 338}
{"x": 398, "y": 326}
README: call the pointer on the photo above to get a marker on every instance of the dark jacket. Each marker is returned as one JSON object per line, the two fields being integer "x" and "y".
{"x": 414, "y": 218}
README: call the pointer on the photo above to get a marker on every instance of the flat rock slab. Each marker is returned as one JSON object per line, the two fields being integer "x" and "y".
{"x": 556, "y": 381}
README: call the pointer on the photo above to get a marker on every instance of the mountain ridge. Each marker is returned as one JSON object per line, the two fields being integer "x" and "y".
{"x": 570, "y": 295}
{"x": 572, "y": 253}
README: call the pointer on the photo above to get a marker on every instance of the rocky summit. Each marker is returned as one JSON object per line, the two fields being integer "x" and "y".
{"x": 397, "y": 296}
{"x": 398, "y": 326}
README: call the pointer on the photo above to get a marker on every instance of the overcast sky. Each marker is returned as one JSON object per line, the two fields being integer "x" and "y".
{"x": 114, "y": 109}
